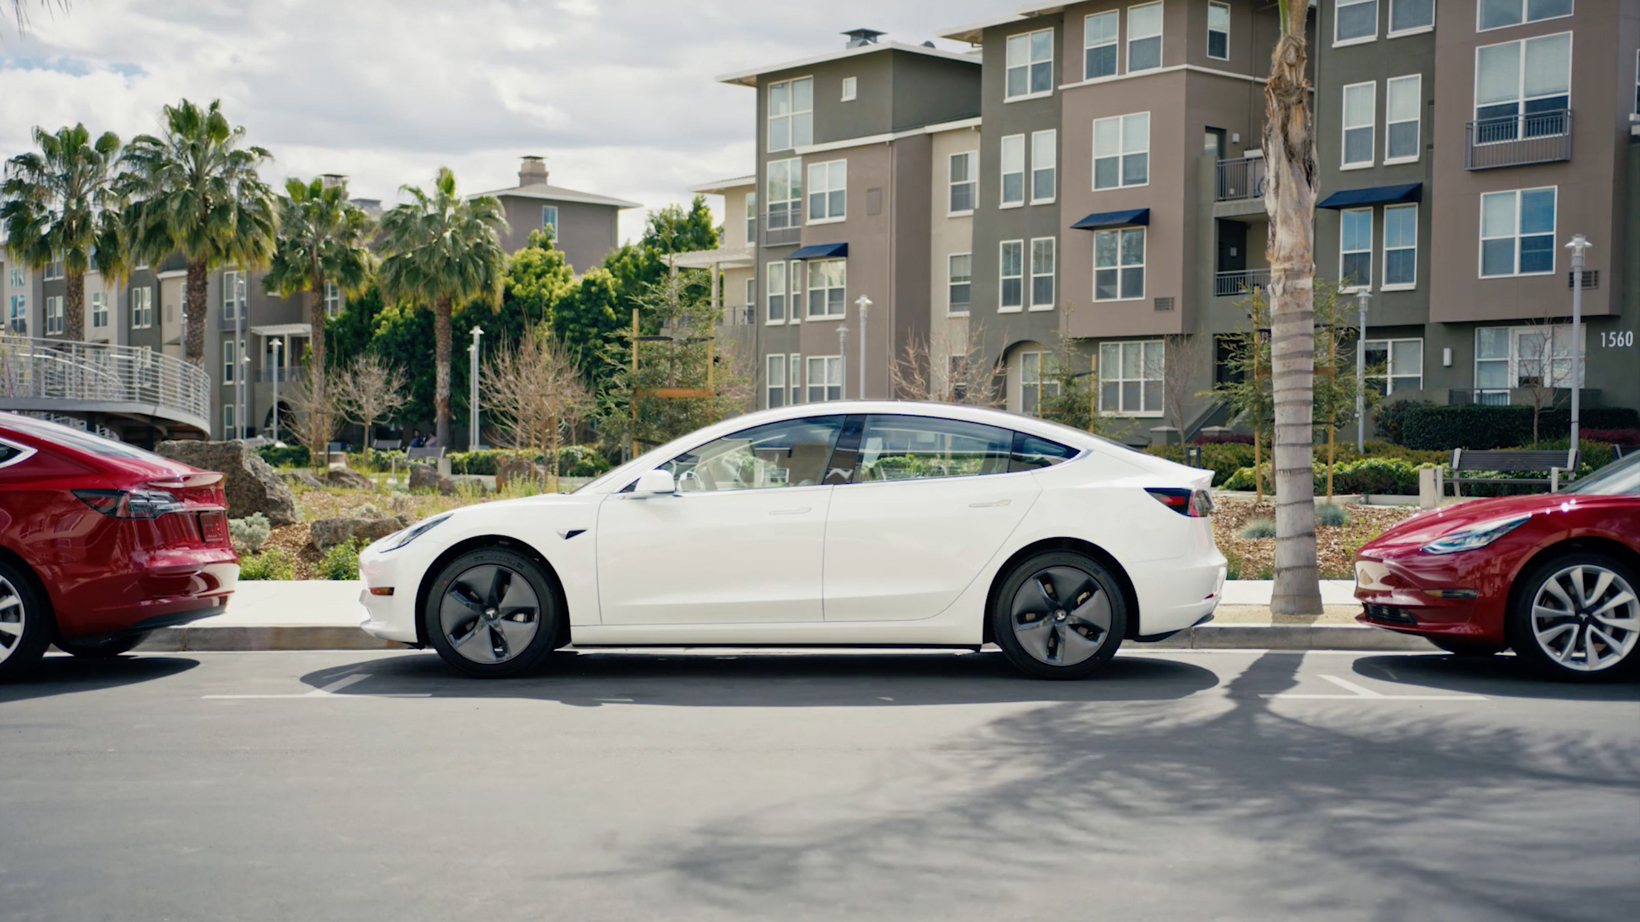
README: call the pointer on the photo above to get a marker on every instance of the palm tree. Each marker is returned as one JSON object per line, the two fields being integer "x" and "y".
{"x": 322, "y": 239}
{"x": 59, "y": 205}
{"x": 1289, "y": 199}
{"x": 196, "y": 191}
{"x": 440, "y": 249}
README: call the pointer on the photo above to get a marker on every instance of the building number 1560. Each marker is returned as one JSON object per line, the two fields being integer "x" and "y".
{"x": 1619, "y": 340}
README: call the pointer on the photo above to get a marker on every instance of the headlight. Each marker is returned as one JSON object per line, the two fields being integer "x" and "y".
{"x": 395, "y": 541}
{"x": 1467, "y": 539}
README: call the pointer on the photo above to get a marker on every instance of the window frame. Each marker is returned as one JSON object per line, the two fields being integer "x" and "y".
{"x": 1008, "y": 67}
{"x": 1211, "y": 6}
{"x": 1046, "y": 139}
{"x": 830, "y": 168}
{"x": 1385, "y": 284}
{"x": 791, "y": 115}
{"x": 851, "y": 89}
{"x": 144, "y": 314}
{"x": 1553, "y": 235}
{"x": 1002, "y": 278}
{"x": 906, "y": 421}
{"x": 233, "y": 293}
{"x": 54, "y": 329}
{"x": 549, "y": 218}
{"x": 796, "y": 286}
{"x": 772, "y": 275}
{"x": 775, "y": 360}
{"x": 793, "y": 206}
{"x": 99, "y": 310}
{"x": 19, "y": 276}
{"x": 1122, "y": 377}
{"x": 1122, "y": 153}
{"x": 1003, "y": 172}
{"x": 971, "y": 159}
{"x": 1521, "y": 99}
{"x": 17, "y": 314}
{"x": 230, "y": 361}
{"x": 794, "y": 379}
{"x": 1037, "y": 369}
{"x": 1160, "y": 37}
{"x": 1344, "y": 127}
{"x": 1052, "y": 273}
{"x": 825, "y": 363}
{"x": 227, "y": 420}
{"x": 1389, "y": 27}
{"x": 1389, "y": 377}
{"x": 823, "y": 266}
{"x": 1343, "y": 215}
{"x": 1358, "y": 39}
{"x": 1416, "y": 121}
{"x": 53, "y": 272}
{"x": 333, "y": 300}
{"x": 1114, "y": 42}
{"x": 1120, "y": 266}
{"x": 1523, "y": 6}
{"x": 951, "y": 306}
{"x": 751, "y": 217}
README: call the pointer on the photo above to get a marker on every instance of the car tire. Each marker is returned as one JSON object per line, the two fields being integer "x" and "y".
{"x": 1466, "y": 648}
{"x": 1059, "y": 615}
{"x": 492, "y": 613}
{"x": 1567, "y": 618}
{"x": 101, "y": 649}
{"x": 25, "y": 622}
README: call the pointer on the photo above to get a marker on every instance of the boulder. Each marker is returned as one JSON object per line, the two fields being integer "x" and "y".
{"x": 427, "y": 477}
{"x": 325, "y": 534}
{"x": 249, "y": 482}
{"x": 347, "y": 477}
{"x": 515, "y": 468}
{"x": 303, "y": 477}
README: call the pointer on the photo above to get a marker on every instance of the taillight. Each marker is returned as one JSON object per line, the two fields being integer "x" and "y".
{"x": 129, "y": 504}
{"x": 1193, "y": 503}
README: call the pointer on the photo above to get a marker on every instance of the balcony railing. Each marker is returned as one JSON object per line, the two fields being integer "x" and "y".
{"x": 1239, "y": 281}
{"x": 36, "y": 370}
{"x": 267, "y": 374}
{"x": 1241, "y": 178}
{"x": 783, "y": 225}
{"x": 738, "y": 315}
{"x": 1518, "y": 140}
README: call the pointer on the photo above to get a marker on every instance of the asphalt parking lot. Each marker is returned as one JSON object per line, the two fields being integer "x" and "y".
{"x": 880, "y": 785}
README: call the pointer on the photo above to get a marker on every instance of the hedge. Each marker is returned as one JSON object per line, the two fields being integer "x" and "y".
{"x": 1489, "y": 427}
{"x": 284, "y": 455}
{"x": 1367, "y": 475}
{"x": 573, "y": 460}
{"x": 1225, "y": 459}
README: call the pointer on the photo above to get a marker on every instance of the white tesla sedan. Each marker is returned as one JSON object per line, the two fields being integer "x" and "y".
{"x": 837, "y": 524}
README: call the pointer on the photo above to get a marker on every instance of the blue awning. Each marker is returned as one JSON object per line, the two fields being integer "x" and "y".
{"x": 1374, "y": 195}
{"x": 820, "y": 251}
{"x": 1115, "y": 218}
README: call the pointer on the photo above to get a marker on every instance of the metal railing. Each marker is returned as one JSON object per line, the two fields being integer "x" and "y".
{"x": 783, "y": 225}
{"x": 266, "y": 374}
{"x": 1518, "y": 140}
{"x": 1241, "y": 178}
{"x": 736, "y": 315}
{"x": 79, "y": 372}
{"x": 1239, "y": 281}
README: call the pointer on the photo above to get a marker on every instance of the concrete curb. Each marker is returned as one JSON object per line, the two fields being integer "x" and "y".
{"x": 1207, "y": 637}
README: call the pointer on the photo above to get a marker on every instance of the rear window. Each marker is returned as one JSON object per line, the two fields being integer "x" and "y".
{"x": 77, "y": 440}
{"x": 1032, "y": 452}
{"x": 9, "y": 453}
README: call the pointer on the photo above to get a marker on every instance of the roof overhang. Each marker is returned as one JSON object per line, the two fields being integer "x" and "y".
{"x": 721, "y": 186}
{"x": 820, "y": 251}
{"x": 554, "y": 194}
{"x": 283, "y": 329}
{"x": 1373, "y": 195}
{"x": 1128, "y": 218}
{"x": 722, "y": 258}
{"x": 749, "y": 77}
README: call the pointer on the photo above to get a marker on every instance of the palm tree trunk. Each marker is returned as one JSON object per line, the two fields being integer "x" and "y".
{"x": 441, "y": 369}
{"x": 193, "y": 338}
{"x": 319, "y": 400}
{"x": 1289, "y": 199}
{"x": 74, "y": 307}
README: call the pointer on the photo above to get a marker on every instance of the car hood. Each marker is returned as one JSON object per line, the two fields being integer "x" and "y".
{"x": 1426, "y": 527}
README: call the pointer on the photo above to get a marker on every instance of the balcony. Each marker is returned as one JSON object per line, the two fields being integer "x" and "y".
{"x": 1242, "y": 178}
{"x": 1239, "y": 281}
{"x": 738, "y": 315}
{"x": 267, "y": 374}
{"x": 1518, "y": 140}
{"x": 75, "y": 377}
{"x": 783, "y": 225}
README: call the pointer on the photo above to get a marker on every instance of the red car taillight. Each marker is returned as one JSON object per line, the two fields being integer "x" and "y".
{"x": 129, "y": 504}
{"x": 1193, "y": 503}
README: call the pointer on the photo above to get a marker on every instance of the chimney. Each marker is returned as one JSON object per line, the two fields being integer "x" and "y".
{"x": 858, "y": 37}
{"x": 532, "y": 171}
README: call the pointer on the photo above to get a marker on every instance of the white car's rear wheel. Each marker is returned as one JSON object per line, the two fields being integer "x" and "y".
{"x": 25, "y": 625}
{"x": 491, "y": 613}
{"x": 1060, "y": 615}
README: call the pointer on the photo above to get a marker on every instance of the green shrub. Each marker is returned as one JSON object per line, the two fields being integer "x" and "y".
{"x": 272, "y": 563}
{"x": 341, "y": 561}
{"x": 1258, "y": 528}
{"x": 1233, "y": 565}
{"x": 1331, "y": 514}
{"x": 1222, "y": 458}
{"x": 249, "y": 533}
{"x": 1372, "y": 475}
{"x": 1390, "y": 419}
{"x": 284, "y": 455}
{"x": 573, "y": 460}
{"x": 1242, "y": 479}
{"x": 1484, "y": 428}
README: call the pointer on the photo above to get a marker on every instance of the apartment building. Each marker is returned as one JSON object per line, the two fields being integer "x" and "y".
{"x": 585, "y": 225}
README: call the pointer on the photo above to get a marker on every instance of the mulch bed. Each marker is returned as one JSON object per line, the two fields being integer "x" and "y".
{"x": 1335, "y": 545}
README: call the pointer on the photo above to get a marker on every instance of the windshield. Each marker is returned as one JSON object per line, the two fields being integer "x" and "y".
{"x": 77, "y": 440}
{"x": 1620, "y": 478}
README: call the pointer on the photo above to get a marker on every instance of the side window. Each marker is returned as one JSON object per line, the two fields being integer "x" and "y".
{"x": 10, "y": 453}
{"x": 920, "y": 447}
{"x": 1032, "y": 452}
{"x": 789, "y": 453}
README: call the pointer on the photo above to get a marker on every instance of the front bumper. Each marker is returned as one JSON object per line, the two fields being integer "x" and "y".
{"x": 392, "y": 617}
{"x": 1409, "y": 593}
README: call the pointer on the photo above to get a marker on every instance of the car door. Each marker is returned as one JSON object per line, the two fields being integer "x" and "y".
{"x": 930, "y": 500}
{"x": 741, "y": 541}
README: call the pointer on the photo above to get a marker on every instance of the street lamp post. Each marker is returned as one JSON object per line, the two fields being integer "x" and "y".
{"x": 842, "y": 361}
{"x": 1577, "y": 246}
{"x": 865, "y": 305}
{"x": 472, "y": 380}
{"x": 244, "y": 392}
{"x": 277, "y": 345}
{"x": 1361, "y": 371}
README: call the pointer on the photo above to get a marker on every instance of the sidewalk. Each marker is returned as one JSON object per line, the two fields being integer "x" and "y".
{"x": 325, "y": 615}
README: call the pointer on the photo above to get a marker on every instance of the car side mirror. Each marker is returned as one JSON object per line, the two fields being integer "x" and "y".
{"x": 657, "y": 481}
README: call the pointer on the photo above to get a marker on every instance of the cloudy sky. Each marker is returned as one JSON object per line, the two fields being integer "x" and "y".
{"x": 619, "y": 95}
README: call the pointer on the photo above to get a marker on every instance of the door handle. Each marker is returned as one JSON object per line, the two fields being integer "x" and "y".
{"x": 795, "y": 511}
{"x": 992, "y": 504}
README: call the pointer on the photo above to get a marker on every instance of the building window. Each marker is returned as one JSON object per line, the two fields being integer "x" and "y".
{"x": 1011, "y": 275}
{"x": 54, "y": 315}
{"x": 791, "y": 114}
{"x": 785, "y": 194}
{"x": 1522, "y": 89}
{"x": 1037, "y": 371}
{"x": 776, "y": 385}
{"x": 1496, "y": 14}
{"x": 1400, "y": 247}
{"x": 99, "y": 310}
{"x": 959, "y": 276}
{"x": 1360, "y": 99}
{"x": 233, "y": 293}
{"x": 333, "y": 301}
{"x": 1395, "y": 365}
{"x": 1403, "y": 101}
{"x": 828, "y": 190}
{"x": 19, "y": 278}
{"x": 1119, "y": 264}
{"x": 851, "y": 87}
{"x": 827, "y": 282}
{"x": 17, "y": 321}
{"x": 1523, "y": 356}
{"x": 1355, "y": 20}
{"x": 1410, "y": 16}
{"x": 227, "y": 421}
{"x": 796, "y": 379}
{"x": 1099, "y": 45}
{"x": 1044, "y": 162}
{"x": 1030, "y": 64}
{"x": 794, "y": 293}
{"x": 1013, "y": 170}
{"x": 142, "y": 308}
{"x": 1355, "y": 248}
{"x": 1130, "y": 378}
{"x": 1121, "y": 151}
{"x": 776, "y": 272}
{"x": 1144, "y": 47}
{"x": 751, "y": 218}
{"x": 54, "y": 271}
{"x": 230, "y": 361}
{"x": 964, "y": 182}
{"x": 1218, "y": 31}
{"x": 751, "y": 298}
{"x": 1518, "y": 232}
{"x": 825, "y": 378}
{"x": 1042, "y": 273}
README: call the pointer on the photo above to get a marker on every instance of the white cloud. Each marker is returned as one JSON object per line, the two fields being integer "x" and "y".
{"x": 619, "y": 96}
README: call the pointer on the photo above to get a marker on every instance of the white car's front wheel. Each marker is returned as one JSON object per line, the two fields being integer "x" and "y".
{"x": 1060, "y": 615}
{"x": 491, "y": 613}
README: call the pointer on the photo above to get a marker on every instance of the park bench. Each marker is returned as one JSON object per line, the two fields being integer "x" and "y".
{"x": 386, "y": 444}
{"x": 424, "y": 454}
{"x": 1555, "y": 461}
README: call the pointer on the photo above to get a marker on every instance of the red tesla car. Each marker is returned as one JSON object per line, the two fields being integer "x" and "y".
{"x": 1553, "y": 576}
{"x": 101, "y": 543}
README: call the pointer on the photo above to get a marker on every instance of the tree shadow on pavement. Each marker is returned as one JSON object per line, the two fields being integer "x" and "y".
{"x": 66, "y": 675}
{"x": 1493, "y": 676}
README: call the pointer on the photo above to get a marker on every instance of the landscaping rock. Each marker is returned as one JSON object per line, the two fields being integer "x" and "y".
{"x": 347, "y": 477}
{"x": 427, "y": 477}
{"x": 303, "y": 477}
{"x": 510, "y": 469}
{"x": 328, "y": 533}
{"x": 250, "y": 484}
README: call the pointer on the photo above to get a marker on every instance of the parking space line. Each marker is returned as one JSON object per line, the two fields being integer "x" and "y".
{"x": 1362, "y": 693}
{"x": 326, "y": 691}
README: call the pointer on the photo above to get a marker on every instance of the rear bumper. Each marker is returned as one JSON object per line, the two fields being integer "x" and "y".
{"x": 159, "y": 589}
{"x": 1174, "y": 595}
